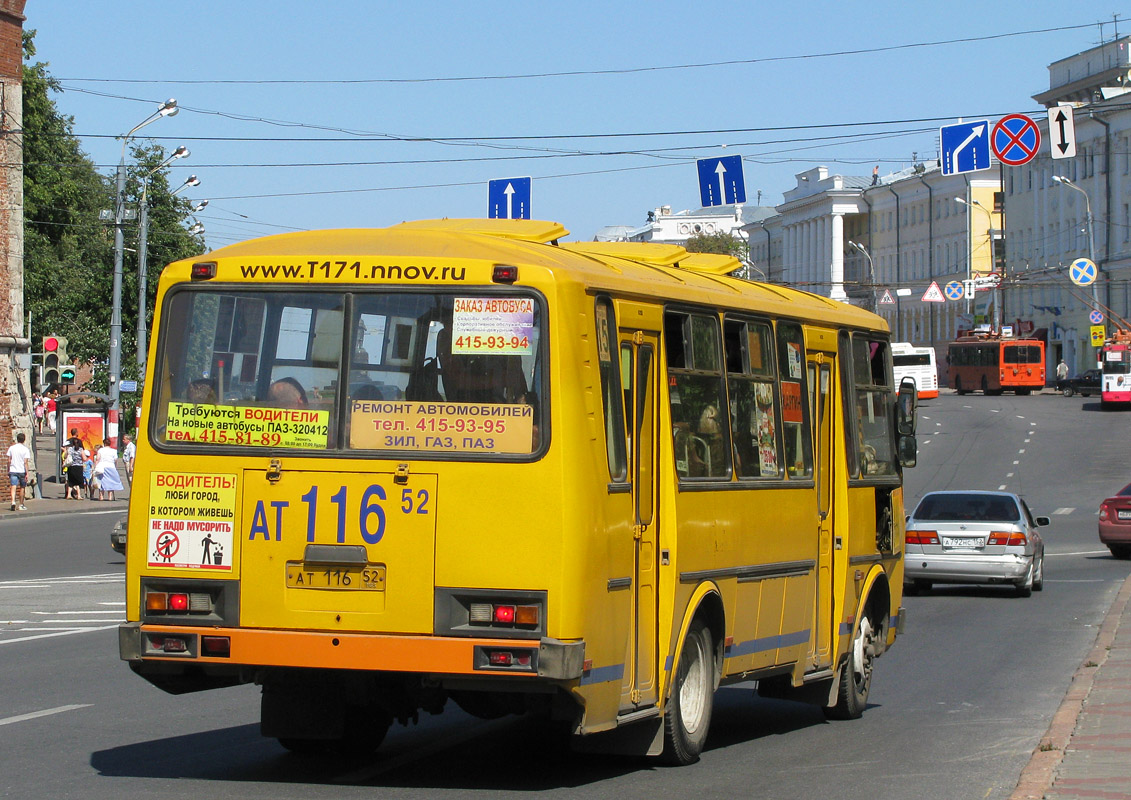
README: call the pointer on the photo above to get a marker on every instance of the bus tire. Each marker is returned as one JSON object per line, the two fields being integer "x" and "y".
{"x": 958, "y": 386}
{"x": 856, "y": 674}
{"x": 688, "y": 715}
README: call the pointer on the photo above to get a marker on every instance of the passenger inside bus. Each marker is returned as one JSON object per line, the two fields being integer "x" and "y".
{"x": 287, "y": 393}
{"x": 479, "y": 378}
{"x": 201, "y": 391}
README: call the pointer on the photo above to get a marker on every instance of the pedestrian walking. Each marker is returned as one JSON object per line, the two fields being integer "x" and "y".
{"x": 39, "y": 413}
{"x": 1061, "y": 370}
{"x": 51, "y": 408}
{"x": 128, "y": 455}
{"x": 19, "y": 457}
{"x": 106, "y": 471}
{"x": 73, "y": 457}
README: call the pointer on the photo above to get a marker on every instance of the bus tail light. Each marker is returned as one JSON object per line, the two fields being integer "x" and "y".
{"x": 922, "y": 537}
{"x": 216, "y": 646}
{"x": 178, "y": 602}
{"x": 509, "y": 659}
{"x": 1008, "y": 538}
{"x": 504, "y": 273}
{"x": 204, "y": 270}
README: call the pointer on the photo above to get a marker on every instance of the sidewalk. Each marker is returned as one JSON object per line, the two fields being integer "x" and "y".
{"x": 54, "y": 492}
{"x": 1086, "y": 752}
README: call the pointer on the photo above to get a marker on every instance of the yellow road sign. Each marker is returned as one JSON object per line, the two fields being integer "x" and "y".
{"x": 1097, "y": 335}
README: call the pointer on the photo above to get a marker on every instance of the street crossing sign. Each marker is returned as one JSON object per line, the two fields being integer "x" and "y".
{"x": 954, "y": 291}
{"x": 886, "y": 299}
{"x": 1082, "y": 271}
{"x": 965, "y": 147}
{"x": 933, "y": 294}
{"x": 1015, "y": 139}
{"x": 508, "y": 198}
{"x": 721, "y": 181}
{"x": 1062, "y": 132}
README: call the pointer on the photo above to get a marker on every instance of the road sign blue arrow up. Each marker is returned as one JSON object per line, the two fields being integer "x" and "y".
{"x": 720, "y": 181}
{"x": 508, "y": 198}
{"x": 965, "y": 147}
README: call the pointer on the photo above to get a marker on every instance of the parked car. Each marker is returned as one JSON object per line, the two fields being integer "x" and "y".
{"x": 118, "y": 535}
{"x": 1087, "y": 383}
{"x": 1115, "y": 523}
{"x": 970, "y": 536}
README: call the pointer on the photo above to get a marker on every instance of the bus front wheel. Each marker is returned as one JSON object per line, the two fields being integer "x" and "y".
{"x": 688, "y": 715}
{"x": 856, "y": 674}
{"x": 958, "y": 386}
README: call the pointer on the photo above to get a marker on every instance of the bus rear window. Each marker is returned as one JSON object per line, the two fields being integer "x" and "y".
{"x": 427, "y": 373}
{"x": 1021, "y": 354}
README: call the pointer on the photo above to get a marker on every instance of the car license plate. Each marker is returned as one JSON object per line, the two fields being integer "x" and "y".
{"x": 1123, "y": 514}
{"x": 321, "y": 576}
{"x": 964, "y": 541}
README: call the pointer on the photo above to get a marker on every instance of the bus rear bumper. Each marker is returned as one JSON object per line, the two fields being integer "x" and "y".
{"x": 222, "y": 651}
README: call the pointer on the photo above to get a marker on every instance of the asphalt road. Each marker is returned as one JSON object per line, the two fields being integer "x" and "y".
{"x": 956, "y": 707}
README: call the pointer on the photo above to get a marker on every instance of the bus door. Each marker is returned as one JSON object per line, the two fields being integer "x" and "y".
{"x": 639, "y": 371}
{"x": 822, "y": 377}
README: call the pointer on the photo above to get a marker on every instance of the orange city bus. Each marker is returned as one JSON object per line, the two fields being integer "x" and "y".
{"x": 993, "y": 364}
{"x": 461, "y": 460}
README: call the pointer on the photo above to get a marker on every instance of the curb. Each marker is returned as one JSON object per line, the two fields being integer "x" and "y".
{"x": 1039, "y": 774}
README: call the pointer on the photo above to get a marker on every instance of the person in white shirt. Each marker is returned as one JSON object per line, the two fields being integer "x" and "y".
{"x": 18, "y": 459}
{"x": 128, "y": 455}
{"x": 106, "y": 471}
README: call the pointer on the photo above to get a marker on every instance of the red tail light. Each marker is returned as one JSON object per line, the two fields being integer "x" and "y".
{"x": 1010, "y": 538}
{"x": 504, "y": 614}
{"x": 178, "y": 601}
{"x": 1104, "y": 512}
{"x": 922, "y": 537}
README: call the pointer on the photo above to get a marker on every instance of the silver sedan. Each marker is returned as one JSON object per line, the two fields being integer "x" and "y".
{"x": 959, "y": 536}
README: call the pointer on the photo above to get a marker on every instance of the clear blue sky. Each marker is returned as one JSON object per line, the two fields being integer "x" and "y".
{"x": 246, "y": 138}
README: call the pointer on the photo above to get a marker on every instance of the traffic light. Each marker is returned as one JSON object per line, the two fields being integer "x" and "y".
{"x": 54, "y": 357}
{"x": 67, "y": 374}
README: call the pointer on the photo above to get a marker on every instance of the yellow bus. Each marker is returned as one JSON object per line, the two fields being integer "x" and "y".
{"x": 461, "y": 460}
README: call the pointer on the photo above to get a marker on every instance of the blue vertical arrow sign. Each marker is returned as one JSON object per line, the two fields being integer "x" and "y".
{"x": 508, "y": 198}
{"x": 721, "y": 181}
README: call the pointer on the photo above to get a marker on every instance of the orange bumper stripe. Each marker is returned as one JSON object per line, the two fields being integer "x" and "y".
{"x": 320, "y": 650}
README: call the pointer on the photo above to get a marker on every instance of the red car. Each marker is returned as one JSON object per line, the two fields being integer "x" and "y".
{"x": 1115, "y": 523}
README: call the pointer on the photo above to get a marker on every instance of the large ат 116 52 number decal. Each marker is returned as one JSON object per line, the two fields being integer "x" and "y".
{"x": 370, "y": 514}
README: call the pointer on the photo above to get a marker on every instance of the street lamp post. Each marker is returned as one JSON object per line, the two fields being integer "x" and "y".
{"x": 990, "y": 241}
{"x": 143, "y": 253}
{"x": 871, "y": 272}
{"x": 167, "y": 109}
{"x": 1063, "y": 181}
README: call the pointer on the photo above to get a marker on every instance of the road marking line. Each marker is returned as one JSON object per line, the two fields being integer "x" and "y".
{"x": 56, "y": 633}
{"x": 1001, "y": 488}
{"x": 45, "y": 713}
{"x": 103, "y": 611}
{"x": 1009, "y": 474}
{"x": 1081, "y": 553}
{"x": 1020, "y": 417}
{"x": 996, "y": 410}
{"x": 1016, "y": 462}
{"x": 1022, "y": 450}
{"x": 1065, "y": 510}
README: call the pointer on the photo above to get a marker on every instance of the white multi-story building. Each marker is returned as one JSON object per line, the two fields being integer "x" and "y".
{"x": 1052, "y": 222}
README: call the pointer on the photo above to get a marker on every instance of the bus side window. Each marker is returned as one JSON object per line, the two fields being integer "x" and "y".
{"x": 753, "y": 402}
{"x": 794, "y": 403}
{"x": 700, "y": 423}
{"x": 874, "y": 446}
{"x": 611, "y": 390}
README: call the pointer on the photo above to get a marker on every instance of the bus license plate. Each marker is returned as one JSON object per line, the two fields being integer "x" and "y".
{"x": 320, "y": 576}
{"x": 954, "y": 541}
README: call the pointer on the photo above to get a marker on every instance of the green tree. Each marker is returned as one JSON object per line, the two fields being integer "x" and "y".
{"x": 724, "y": 244}
{"x": 69, "y": 252}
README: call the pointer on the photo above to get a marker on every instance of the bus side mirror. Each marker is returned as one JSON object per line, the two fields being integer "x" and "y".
{"x": 908, "y": 450}
{"x": 905, "y": 408}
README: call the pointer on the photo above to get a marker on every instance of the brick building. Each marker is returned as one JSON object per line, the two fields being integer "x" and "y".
{"x": 15, "y": 392}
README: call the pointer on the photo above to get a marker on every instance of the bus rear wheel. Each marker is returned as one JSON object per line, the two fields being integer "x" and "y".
{"x": 688, "y": 715}
{"x": 856, "y": 674}
{"x": 958, "y": 386}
